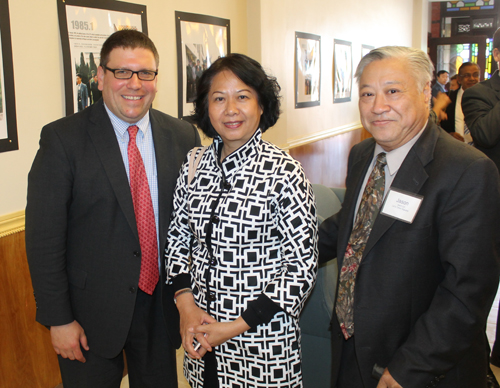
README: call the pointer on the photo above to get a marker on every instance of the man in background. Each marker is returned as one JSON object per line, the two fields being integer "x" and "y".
{"x": 454, "y": 85}
{"x": 82, "y": 93}
{"x": 418, "y": 274}
{"x": 442, "y": 77}
{"x": 481, "y": 109}
{"x": 99, "y": 203}
{"x": 94, "y": 88}
{"x": 481, "y": 106}
{"x": 468, "y": 76}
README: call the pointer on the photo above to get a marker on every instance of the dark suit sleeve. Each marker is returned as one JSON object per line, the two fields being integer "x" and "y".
{"x": 50, "y": 184}
{"x": 328, "y": 237}
{"x": 468, "y": 247}
{"x": 481, "y": 109}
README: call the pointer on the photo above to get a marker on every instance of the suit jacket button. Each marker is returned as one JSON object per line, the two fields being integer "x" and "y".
{"x": 132, "y": 290}
{"x": 137, "y": 253}
{"x": 211, "y": 297}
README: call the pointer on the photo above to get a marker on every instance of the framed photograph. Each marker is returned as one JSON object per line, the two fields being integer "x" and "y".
{"x": 201, "y": 39}
{"x": 365, "y": 49}
{"x": 84, "y": 25}
{"x": 8, "y": 121}
{"x": 342, "y": 71}
{"x": 307, "y": 70}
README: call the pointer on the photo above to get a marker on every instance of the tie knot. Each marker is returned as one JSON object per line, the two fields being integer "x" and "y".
{"x": 381, "y": 158}
{"x": 132, "y": 131}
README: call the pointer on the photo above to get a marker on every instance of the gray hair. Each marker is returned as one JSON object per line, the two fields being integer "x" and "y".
{"x": 418, "y": 62}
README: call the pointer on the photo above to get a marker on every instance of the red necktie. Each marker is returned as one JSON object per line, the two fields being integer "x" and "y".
{"x": 144, "y": 215}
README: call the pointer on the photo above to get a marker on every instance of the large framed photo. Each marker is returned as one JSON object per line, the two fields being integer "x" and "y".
{"x": 342, "y": 71}
{"x": 307, "y": 69}
{"x": 8, "y": 121}
{"x": 84, "y": 26}
{"x": 201, "y": 39}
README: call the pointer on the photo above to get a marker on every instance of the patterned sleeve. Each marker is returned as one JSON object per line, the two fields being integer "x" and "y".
{"x": 179, "y": 233}
{"x": 297, "y": 226}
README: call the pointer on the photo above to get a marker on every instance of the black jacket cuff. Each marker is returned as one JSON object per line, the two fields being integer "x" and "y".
{"x": 260, "y": 311}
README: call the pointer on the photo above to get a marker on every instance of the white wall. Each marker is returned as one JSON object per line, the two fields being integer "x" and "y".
{"x": 264, "y": 29}
{"x": 38, "y": 70}
{"x": 360, "y": 22}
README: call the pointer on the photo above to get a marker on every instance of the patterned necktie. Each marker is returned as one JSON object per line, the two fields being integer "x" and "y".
{"x": 144, "y": 215}
{"x": 467, "y": 135}
{"x": 367, "y": 213}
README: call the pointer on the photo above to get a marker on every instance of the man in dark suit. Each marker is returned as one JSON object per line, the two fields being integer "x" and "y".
{"x": 413, "y": 310}
{"x": 442, "y": 77}
{"x": 94, "y": 88}
{"x": 99, "y": 180}
{"x": 468, "y": 76}
{"x": 82, "y": 93}
{"x": 481, "y": 106}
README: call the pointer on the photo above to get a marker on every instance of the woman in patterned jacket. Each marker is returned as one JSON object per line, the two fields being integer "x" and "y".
{"x": 242, "y": 245}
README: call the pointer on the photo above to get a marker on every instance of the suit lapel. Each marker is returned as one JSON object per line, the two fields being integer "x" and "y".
{"x": 162, "y": 138}
{"x": 104, "y": 139}
{"x": 410, "y": 177}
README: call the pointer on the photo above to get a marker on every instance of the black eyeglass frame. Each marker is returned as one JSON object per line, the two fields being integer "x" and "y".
{"x": 133, "y": 72}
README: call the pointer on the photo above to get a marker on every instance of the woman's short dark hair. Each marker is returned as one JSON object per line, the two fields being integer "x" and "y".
{"x": 250, "y": 72}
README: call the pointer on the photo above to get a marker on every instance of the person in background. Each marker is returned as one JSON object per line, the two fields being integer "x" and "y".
{"x": 418, "y": 272}
{"x": 442, "y": 77}
{"x": 99, "y": 202}
{"x": 94, "y": 88}
{"x": 454, "y": 85}
{"x": 481, "y": 106}
{"x": 468, "y": 76}
{"x": 82, "y": 93}
{"x": 481, "y": 109}
{"x": 242, "y": 244}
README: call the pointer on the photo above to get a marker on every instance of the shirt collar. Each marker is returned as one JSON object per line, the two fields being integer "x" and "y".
{"x": 396, "y": 157}
{"x": 121, "y": 126}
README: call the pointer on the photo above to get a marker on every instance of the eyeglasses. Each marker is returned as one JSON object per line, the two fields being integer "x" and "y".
{"x": 143, "y": 75}
{"x": 468, "y": 75}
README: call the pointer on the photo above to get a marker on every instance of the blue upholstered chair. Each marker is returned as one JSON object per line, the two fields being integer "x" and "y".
{"x": 316, "y": 315}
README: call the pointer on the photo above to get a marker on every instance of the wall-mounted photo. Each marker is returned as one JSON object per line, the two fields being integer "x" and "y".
{"x": 8, "y": 121}
{"x": 83, "y": 29}
{"x": 342, "y": 71}
{"x": 307, "y": 69}
{"x": 201, "y": 39}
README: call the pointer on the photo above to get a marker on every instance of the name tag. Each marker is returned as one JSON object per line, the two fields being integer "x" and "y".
{"x": 401, "y": 205}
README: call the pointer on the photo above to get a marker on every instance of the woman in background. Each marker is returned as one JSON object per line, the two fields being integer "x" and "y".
{"x": 242, "y": 244}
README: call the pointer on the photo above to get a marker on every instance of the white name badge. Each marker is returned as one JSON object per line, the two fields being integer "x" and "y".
{"x": 401, "y": 205}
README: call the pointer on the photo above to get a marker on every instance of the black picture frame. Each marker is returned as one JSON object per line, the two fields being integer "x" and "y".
{"x": 342, "y": 71}
{"x": 307, "y": 70}
{"x": 108, "y": 5}
{"x": 185, "y": 105}
{"x": 8, "y": 107}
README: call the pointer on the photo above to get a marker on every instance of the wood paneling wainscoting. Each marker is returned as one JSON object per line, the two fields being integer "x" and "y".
{"x": 27, "y": 358}
{"x": 325, "y": 161}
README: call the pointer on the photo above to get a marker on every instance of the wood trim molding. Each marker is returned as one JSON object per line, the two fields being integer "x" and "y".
{"x": 321, "y": 135}
{"x": 11, "y": 223}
